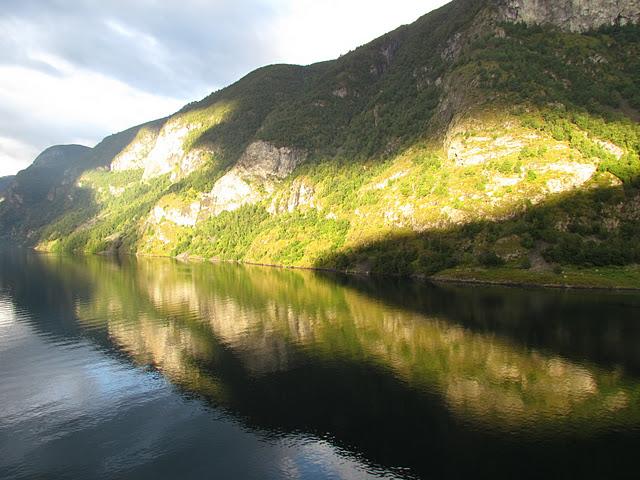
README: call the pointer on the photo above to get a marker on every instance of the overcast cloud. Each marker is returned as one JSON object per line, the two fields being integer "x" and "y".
{"x": 74, "y": 71}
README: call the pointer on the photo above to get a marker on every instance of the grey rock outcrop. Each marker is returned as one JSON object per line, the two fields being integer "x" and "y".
{"x": 169, "y": 155}
{"x": 264, "y": 160}
{"x": 260, "y": 165}
{"x": 571, "y": 15}
{"x": 300, "y": 194}
{"x": 161, "y": 150}
{"x": 135, "y": 154}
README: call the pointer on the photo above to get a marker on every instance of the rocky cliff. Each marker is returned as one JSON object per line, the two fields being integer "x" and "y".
{"x": 571, "y": 15}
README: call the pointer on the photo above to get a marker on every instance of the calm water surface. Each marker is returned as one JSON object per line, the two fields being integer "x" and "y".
{"x": 157, "y": 369}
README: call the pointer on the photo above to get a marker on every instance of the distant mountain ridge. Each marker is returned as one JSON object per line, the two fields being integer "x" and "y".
{"x": 5, "y": 181}
{"x": 463, "y": 139}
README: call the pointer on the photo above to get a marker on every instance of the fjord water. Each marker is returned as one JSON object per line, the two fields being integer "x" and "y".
{"x": 158, "y": 369}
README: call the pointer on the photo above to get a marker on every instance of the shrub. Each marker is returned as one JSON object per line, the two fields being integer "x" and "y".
{"x": 489, "y": 258}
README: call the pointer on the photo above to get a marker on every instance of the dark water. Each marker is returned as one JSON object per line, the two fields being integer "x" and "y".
{"x": 157, "y": 369}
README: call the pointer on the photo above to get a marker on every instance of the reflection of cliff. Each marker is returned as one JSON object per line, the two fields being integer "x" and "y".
{"x": 594, "y": 325}
{"x": 206, "y": 326}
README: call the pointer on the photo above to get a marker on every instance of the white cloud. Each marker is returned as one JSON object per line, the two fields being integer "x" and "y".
{"x": 15, "y": 155}
{"x": 310, "y": 31}
{"x": 78, "y": 97}
{"x": 62, "y": 108}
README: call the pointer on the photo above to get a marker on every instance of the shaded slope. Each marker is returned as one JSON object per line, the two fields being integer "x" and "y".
{"x": 252, "y": 100}
{"x": 47, "y": 189}
{"x": 530, "y": 241}
{"x": 5, "y": 182}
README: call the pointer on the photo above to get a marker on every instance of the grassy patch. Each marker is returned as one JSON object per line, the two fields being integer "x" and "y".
{"x": 608, "y": 278}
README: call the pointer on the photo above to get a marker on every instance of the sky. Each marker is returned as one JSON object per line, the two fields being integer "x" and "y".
{"x": 74, "y": 71}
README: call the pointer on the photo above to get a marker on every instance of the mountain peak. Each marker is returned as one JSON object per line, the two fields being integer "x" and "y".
{"x": 60, "y": 155}
{"x": 572, "y": 15}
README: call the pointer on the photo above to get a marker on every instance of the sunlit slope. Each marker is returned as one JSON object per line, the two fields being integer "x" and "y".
{"x": 463, "y": 139}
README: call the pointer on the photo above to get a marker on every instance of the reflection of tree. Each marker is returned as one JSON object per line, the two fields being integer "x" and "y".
{"x": 202, "y": 325}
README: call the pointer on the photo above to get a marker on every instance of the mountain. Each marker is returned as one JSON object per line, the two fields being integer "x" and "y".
{"x": 489, "y": 139}
{"x": 27, "y": 195}
{"x": 5, "y": 182}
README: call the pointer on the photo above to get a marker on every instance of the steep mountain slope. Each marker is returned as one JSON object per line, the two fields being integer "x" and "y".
{"x": 486, "y": 133}
{"x": 48, "y": 189}
{"x": 26, "y": 197}
{"x": 5, "y": 182}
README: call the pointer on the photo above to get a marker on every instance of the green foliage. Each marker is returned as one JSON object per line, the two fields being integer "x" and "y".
{"x": 120, "y": 214}
{"x": 288, "y": 238}
{"x": 581, "y": 85}
{"x": 227, "y": 236}
{"x": 489, "y": 258}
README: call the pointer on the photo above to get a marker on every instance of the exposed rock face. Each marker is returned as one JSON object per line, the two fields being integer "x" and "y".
{"x": 260, "y": 165}
{"x": 264, "y": 160}
{"x": 134, "y": 155}
{"x": 572, "y": 15}
{"x": 478, "y": 150}
{"x": 246, "y": 183}
{"x": 184, "y": 217}
{"x": 190, "y": 162}
{"x": 611, "y": 148}
{"x": 570, "y": 175}
{"x": 341, "y": 92}
{"x": 301, "y": 194}
{"x": 232, "y": 192}
{"x": 168, "y": 154}
{"x": 161, "y": 151}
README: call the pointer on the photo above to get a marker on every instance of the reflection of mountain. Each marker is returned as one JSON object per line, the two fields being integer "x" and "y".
{"x": 432, "y": 378}
{"x": 272, "y": 321}
{"x": 592, "y": 325}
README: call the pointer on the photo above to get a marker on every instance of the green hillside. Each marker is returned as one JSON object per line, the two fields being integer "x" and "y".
{"x": 461, "y": 145}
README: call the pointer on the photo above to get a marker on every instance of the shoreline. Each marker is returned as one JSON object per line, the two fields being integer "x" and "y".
{"x": 621, "y": 279}
{"x": 514, "y": 283}
{"x": 458, "y": 276}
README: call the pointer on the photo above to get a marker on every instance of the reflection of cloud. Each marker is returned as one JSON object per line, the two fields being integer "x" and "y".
{"x": 10, "y": 330}
{"x": 51, "y": 388}
{"x": 323, "y": 456}
{"x": 61, "y": 394}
